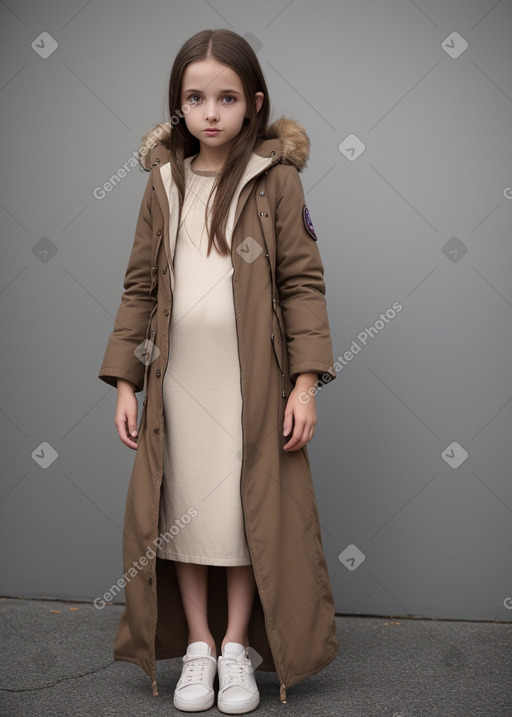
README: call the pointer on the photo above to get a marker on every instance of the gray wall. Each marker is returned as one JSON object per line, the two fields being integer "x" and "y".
{"x": 421, "y": 217}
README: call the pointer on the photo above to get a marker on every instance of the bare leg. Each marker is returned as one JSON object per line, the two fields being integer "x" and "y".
{"x": 241, "y": 587}
{"x": 193, "y": 582}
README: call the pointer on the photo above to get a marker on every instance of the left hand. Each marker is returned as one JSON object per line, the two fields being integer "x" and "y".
{"x": 300, "y": 414}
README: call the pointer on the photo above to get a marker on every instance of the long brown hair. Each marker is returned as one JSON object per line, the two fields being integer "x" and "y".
{"x": 232, "y": 50}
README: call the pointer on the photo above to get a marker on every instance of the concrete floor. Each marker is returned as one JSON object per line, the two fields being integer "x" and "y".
{"x": 61, "y": 663}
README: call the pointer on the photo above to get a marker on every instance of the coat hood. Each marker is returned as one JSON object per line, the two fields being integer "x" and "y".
{"x": 293, "y": 140}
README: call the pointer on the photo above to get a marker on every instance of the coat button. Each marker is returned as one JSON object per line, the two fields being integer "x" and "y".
{"x": 152, "y": 187}
{"x": 164, "y": 270}
{"x": 263, "y": 214}
{"x": 157, "y": 159}
{"x": 153, "y": 268}
{"x": 156, "y": 430}
{"x": 272, "y": 153}
{"x": 267, "y": 255}
{"x": 158, "y": 373}
{"x": 166, "y": 312}
{"x": 150, "y": 581}
{"x": 262, "y": 194}
{"x": 159, "y": 232}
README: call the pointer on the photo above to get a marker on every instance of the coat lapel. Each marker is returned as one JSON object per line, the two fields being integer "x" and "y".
{"x": 167, "y": 195}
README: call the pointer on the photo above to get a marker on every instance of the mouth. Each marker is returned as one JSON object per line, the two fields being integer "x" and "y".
{"x": 212, "y": 131}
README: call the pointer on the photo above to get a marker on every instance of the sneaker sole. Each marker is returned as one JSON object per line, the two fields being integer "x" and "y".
{"x": 198, "y": 706}
{"x": 233, "y": 709}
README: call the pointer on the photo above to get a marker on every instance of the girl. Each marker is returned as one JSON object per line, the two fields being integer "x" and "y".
{"x": 223, "y": 324}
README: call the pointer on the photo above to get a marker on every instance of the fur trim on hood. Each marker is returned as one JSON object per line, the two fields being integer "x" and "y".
{"x": 293, "y": 138}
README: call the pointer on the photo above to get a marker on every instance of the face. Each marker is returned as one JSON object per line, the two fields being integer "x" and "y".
{"x": 214, "y": 98}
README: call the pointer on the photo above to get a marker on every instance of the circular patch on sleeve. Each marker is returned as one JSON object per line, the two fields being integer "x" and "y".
{"x": 308, "y": 223}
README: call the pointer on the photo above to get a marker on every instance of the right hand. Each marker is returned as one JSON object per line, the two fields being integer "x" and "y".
{"x": 126, "y": 413}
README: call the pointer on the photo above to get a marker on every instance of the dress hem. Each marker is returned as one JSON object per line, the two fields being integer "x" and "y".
{"x": 203, "y": 560}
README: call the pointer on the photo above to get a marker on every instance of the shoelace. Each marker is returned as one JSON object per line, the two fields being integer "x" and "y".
{"x": 194, "y": 670}
{"x": 236, "y": 669}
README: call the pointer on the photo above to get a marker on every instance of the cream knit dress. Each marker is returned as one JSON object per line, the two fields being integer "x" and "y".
{"x": 201, "y": 517}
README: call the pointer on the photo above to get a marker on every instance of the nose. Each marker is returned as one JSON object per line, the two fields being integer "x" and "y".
{"x": 210, "y": 111}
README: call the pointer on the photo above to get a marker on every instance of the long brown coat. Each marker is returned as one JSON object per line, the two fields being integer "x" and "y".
{"x": 283, "y": 330}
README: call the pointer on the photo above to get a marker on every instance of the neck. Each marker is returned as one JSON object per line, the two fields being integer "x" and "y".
{"x": 211, "y": 158}
{"x": 199, "y": 166}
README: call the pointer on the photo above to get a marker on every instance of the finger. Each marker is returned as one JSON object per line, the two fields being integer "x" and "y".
{"x": 129, "y": 442}
{"x": 288, "y": 421}
{"x": 131, "y": 430}
{"x": 298, "y": 436}
{"x": 124, "y": 433}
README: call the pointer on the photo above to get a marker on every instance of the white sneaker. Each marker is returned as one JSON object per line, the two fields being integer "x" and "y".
{"x": 194, "y": 690}
{"x": 238, "y": 692}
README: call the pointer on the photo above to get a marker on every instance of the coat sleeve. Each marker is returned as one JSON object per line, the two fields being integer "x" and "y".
{"x": 119, "y": 360}
{"x": 301, "y": 286}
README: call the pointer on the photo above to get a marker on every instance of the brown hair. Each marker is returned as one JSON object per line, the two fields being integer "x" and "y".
{"x": 230, "y": 49}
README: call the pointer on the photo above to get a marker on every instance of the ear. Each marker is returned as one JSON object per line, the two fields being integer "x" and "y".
{"x": 259, "y": 100}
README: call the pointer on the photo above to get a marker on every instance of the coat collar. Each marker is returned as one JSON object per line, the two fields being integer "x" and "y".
{"x": 166, "y": 187}
{"x": 286, "y": 142}
{"x": 285, "y": 138}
